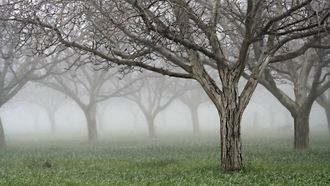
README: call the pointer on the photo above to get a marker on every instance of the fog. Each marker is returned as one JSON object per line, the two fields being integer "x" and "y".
{"x": 120, "y": 118}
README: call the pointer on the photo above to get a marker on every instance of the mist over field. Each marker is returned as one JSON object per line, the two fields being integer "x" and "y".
{"x": 263, "y": 118}
{"x": 171, "y": 92}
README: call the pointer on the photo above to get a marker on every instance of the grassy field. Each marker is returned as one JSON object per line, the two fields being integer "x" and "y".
{"x": 174, "y": 161}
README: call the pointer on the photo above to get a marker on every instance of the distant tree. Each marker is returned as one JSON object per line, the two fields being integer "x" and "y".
{"x": 154, "y": 94}
{"x": 17, "y": 66}
{"x": 307, "y": 77}
{"x": 303, "y": 69}
{"x": 103, "y": 111}
{"x": 87, "y": 87}
{"x": 193, "y": 97}
{"x": 324, "y": 101}
{"x": 181, "y": 39}
{"x": 44, "y": 97}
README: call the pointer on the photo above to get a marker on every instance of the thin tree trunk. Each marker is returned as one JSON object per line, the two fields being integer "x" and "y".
{"x": 301, "y": 130}
{"x": 36, "y": 121}
{"x": 327, "y": 112}
{"x": 52, "y": 121}
{"x": 151, "y": 126}
{"x": 2, "y": 135}
{"x": 102, "y": 122}
{"x": 195, "y": 119}
{"x": 91, "y": 123}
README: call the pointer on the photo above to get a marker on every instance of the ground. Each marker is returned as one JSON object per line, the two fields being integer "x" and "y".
{"x": 164, "y": 161}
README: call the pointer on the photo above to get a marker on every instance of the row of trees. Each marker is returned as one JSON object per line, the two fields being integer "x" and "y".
{"x": 216, "y": 43}
{"x": 88, "y": 88}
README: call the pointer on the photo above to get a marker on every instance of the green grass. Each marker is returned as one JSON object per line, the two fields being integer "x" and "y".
{"x": 178, "y": 161}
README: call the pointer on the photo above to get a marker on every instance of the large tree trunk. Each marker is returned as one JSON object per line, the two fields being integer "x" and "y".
{"x": 301, "y": 130}
{"x": 2, "y": 135}
{"x": 230, "y": 107}
{"x": 230, "y": 135}
{"x": 151, "y": 126}
{"x": 230, "y": 127}
{"x": 195, "y": 119}
{"x": 90, "y": 114}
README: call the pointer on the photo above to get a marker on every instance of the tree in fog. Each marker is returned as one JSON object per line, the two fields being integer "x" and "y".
{"x": 153, "y": 95}
{"x": 102, "y": 113}
{"x": 182, "y": 39}
{"x": 17, "y": 66}
{"x": 305, "y": 89}
{"x": 46, "y": 98}
{"x": 307, "y": 77}
{"x": 324, "y": 101}
{"x": 193, "y": 97}
{"x": 87, "y": 87}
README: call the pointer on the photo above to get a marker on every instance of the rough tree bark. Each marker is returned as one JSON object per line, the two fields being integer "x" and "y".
{"x": 230, "y": 134}
{"x": 2, "y": 135}
{"x": 231, "y": 152}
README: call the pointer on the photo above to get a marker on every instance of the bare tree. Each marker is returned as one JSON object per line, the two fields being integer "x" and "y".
{"x": 88, "y": 87}
{"x": 17, "y": 67}
{"x": 103, "y": 110}
{"x": 154, "y": 95}
{"x": 44, "y": 97}
{"x": 309, "y": 82}
{"x": 324, "y": 101}
{"x": 193, "y": 97}
{"x": 182, "y": 39}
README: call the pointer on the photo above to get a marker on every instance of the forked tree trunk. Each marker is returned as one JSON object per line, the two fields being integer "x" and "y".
{"x": 230, "y": 108}
{"x": 90, "y": 114}
{"x": 301, "y": 130}
{"x": 327, "y": 112}
{"x": 195, "y": 119}
{"x": 2, "y": 135}
{"x": 151, "y": 126}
